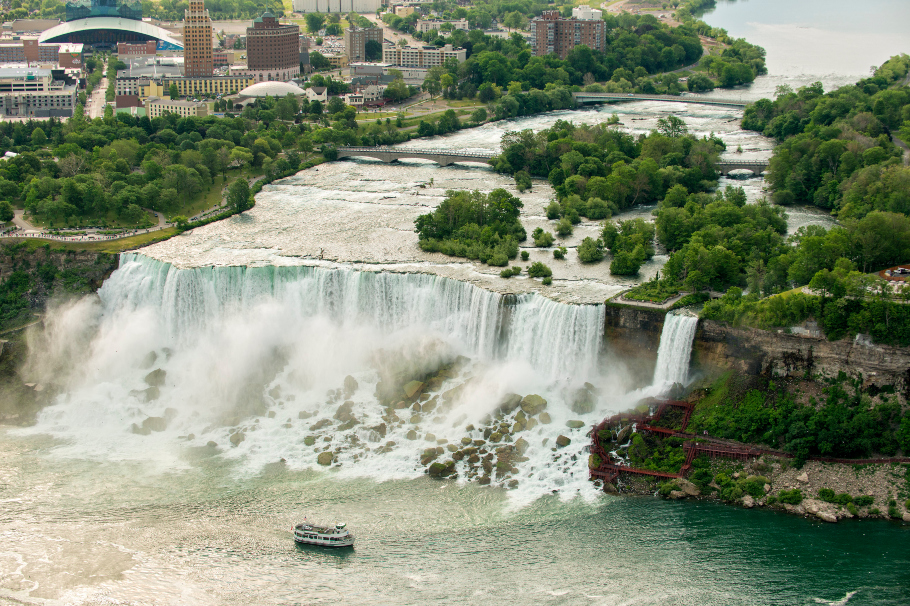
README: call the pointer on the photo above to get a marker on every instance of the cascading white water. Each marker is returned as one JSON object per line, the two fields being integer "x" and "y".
{"x": 675, "y": 350}
{"x": 256, "y": 349}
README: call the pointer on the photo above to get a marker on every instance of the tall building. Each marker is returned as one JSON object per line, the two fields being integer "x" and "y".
{"x": 36, "y": 93}
{"x": 197, "y": 41}
{"x": 355, "y": 41}
{"x": 550, "y": 33}
{"x": 273, "y": 50}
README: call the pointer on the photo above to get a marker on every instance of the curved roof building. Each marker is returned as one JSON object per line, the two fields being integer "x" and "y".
{"x": 271, "y": 89}
{"x": 110, "y": 30}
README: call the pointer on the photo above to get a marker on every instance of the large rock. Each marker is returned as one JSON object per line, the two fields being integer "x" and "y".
{"x": 624, "y": 434}
{"x": 748, "y": 502}
{"x": 350, "y": 385}
{"x": 803, "y": 477}
{"x": 325, "y": 458}
{"x": 156, "y": 378}
{"x": 562, "y": 441}
{"x": 688, "y": 487}
{"x": 544, "y": 419}
{"x": 309, "y": 440}
{"x": 412, "y": 389}
{"x": 575, "y": 424}
{"x": 531, "y": 424}
{"x": 521, "y": 446}
{"x": 343, "y": 413}
{"x": 509, "y": 403}
{"x": 533, "y": 404}
{"x": 826, "y": 516}
{"x": 237, "y": 438}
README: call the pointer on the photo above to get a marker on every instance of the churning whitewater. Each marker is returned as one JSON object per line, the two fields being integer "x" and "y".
{"x": 675, "y": 350}
{"x": 269, "y": 364}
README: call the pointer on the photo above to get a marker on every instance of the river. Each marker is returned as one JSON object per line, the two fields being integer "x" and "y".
{"x": 255, "y": 323}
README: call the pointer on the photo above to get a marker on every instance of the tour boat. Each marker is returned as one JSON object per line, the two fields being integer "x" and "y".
{"x": 327, "y": 536}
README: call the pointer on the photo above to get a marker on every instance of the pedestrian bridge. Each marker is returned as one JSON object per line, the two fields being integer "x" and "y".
{"x": 757, "y": 167}
{"x": 583, "y": 98}
{"x": 390, "y": 154}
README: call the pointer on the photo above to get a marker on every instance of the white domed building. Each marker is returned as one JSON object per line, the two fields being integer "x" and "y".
{"x": 261, "y": 90}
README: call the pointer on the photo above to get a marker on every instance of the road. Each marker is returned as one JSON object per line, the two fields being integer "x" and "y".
{"x": 392, "y": 34}
{"x": 96, "y": 103}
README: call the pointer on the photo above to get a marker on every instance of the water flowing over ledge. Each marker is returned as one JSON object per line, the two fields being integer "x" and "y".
{"x": 557, "y": 339}
{"x": 675, "y": 350}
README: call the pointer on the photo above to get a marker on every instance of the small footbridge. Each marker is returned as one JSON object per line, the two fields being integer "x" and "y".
{"x": 390, "y": 154}
{"x": 756, "y": 167}
{"x": 584, "y": 98}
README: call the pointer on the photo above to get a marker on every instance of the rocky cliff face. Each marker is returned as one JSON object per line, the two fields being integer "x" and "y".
{"x": 632, "y": 336}
{"x": 772, "y": 353}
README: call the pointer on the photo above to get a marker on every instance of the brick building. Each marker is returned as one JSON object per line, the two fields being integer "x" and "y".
{"x": 550, "y": 33}
{"x": 197, "y": 41}
{"x": 29, "y": 50}
{"x": 272, "y": 49}
{"x": 355, "y": 41}
{"x": 138, "y": 49}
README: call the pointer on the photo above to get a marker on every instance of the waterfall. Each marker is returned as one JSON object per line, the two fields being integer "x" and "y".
{"x": 556, "y": 339}
{"x": 675, "y": 350}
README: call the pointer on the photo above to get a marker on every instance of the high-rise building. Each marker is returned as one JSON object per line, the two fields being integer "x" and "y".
{"x": 197, "y": 41}
{"x": 355, "y": 41}
{"x": 273, "y": 51}
{"x": 550, "y": 33}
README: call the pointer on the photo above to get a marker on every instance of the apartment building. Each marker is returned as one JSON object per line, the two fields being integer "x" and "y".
{"x": 426, "y": 25}
{"x": 156, "y": 107}
{"x": 197, "y": 41}
{"x": 421, "y": 56}
{"x": 553, "y": 34}
{"x": 355, "y": 41}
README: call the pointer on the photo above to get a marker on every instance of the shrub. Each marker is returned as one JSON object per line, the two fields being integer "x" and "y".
{"x": 754, "y": 486}
{"x": 554, "y": 211}
{"x": 539, "y": 270}
{"x": 543, "y": 239}
{"x": 506, "y": 273}
{"x": 791, "y": 497}
{"x": 863, "y": 500}
{"x": 564, "y": 227}
{"x": 590, "y": 251}
{"x": 525, "y": 255}
{"x": 560, "y": 252}
{"x": 547, "y": 281}
{"x": 516, "y": 270}
{"x": 499, "y": 259}
{"x": 522, "y": 180}
{"x": 665, "y": 488}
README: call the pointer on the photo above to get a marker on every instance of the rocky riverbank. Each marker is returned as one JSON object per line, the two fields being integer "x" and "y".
{"x": 827, "y": 491}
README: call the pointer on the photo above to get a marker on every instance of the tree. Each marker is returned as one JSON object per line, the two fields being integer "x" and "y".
{"x": 173, "y": 91}
{"x": 672, "y": 127}
{"x": 590, "y": 251}
{"x": 397, "y": 90}
{"x": 335, "y": 105}
{"x": 315, "y": 108}
{"x": 479, "y": 115}
{"x": 314, "y": 22}
{"x": 6, "y": 212}
{"x": 239, "y": 195}
{"x": 372, "y": 50}
{"x": 38, "y": 137}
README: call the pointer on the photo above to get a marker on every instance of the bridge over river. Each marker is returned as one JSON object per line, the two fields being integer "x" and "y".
{"x": 446, "y": 158}
{"x": 582, "y": 98}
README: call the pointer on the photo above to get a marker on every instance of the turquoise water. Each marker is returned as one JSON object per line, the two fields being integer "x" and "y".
{"x": 203, "y": 536}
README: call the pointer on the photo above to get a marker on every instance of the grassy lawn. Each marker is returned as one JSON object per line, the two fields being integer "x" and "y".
{"x": 205, "y": 201}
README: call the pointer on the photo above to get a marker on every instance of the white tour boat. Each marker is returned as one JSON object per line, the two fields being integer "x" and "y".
{"x": 327, "y": 536}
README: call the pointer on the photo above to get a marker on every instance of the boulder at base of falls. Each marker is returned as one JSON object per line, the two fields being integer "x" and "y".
{"x": 520, "y": 446}
{"x": 325, "y": 458}
{"x": 156, "y": 378}
{"x": 343, "y": 413}
{"x": 309, "y": 440}
{"x": 350, "y": 386}
{"x": 439, "y": 470}
{"x": 149, "y": 425}
{"x": 562, "y": 441}
{"x": 237, "y": 438}
{"x": 544, "y": 419}
{"x": 412, "y": 389}
{"x": 509, "y": 403}
{"x": 212, "y": 444}
{"x": 575, "y": 424}
{"x": 412, "y": 435}
{"x": 624, "y": 434}
{"x": 688, "y": 487}
{"x": 533, "y": 404}
{"x": 531, "y": 424}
